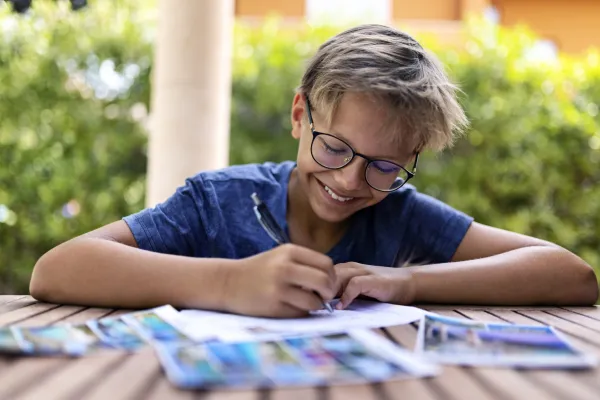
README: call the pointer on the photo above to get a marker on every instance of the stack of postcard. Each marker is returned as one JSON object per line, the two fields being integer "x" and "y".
{"x": 322, "y": 349}
{"x": 353, "y": 357}
{"x": 126, "y": 332}
{"x": 465, "y": 342}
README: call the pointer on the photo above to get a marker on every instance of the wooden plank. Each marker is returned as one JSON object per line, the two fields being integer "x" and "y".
{"x": 234, "y": 395}
{"x": 455, "y": 382}
{"x": 86, "y": 315}
{"x": 7, "y": 298}
{"x": 363, "y": 392}
{"x": 554, "y": 381}
{"x": 74, "y": 377}
{"x": 479, "y": 315}
{"x": 21, "y": 314}
{"x": 120, "y": 311}
{"x": 441, "y": 307}
{"x": 590, "y": 378}
{"x": 508, "y": 383}
{"x": 129, "y": 380}
{"x": 564, "y": 384}
{"x": 583, "y": 333}
{"x": 519, "y": 380}
{"x": 5, "y": 363}
{"x": 514, "y": 318}
{"x": 16, "y": 304}
{"x": 33, "y": 369}
{"x": 592, "y": 312}
{"x": 304, "y": 393}
{"x": 25, "y": 372}
{"x": 450, "y": 313}
{"x": 164, "y": 390}
{"x": 422, "y": 389}
{"x": 404, "y": 335}
{"x": 578, "y": 319}
{"x": 51, "y": 316}
{"x": 458, "y": 383}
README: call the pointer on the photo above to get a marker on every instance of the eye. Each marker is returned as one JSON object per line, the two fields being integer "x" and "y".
{"x": 333, "y": 150}
{"x": 385, "y": 167}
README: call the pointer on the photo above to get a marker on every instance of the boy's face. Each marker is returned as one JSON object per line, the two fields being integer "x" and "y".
{"x": 361, "y": 122}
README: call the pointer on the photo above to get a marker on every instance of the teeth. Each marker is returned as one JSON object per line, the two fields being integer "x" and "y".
{"x": 336, "y": 197}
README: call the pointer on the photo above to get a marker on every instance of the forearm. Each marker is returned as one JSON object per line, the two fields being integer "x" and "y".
{"x": 533, "y": 275}
{"x": 97, "y": 272}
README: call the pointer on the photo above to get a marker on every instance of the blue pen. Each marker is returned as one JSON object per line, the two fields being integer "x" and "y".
{"x": 274, "y": 230}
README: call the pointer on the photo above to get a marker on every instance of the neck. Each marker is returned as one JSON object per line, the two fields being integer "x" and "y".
{"x": 305, "y": 227}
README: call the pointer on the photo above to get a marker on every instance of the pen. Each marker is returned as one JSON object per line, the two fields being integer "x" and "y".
{"x": 274, "y": 230}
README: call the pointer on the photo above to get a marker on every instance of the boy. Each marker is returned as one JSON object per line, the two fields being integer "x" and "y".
{"x": 369, "y": 102}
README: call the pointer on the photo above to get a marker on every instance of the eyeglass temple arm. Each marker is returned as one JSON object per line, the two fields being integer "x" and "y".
{"x": 414, "y": 169}
{"x": 310, "y": 118}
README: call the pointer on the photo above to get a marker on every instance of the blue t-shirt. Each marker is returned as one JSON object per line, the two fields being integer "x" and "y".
{"x": 212, "y": 216}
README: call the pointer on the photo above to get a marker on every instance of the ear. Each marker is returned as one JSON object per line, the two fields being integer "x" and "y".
{"x": 298, "y": 110}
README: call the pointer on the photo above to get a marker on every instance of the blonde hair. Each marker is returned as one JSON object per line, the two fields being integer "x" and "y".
{"x": 387, "y": 64}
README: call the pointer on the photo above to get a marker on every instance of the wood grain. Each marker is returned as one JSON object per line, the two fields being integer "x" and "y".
{"x": 25, "y": 313}
{"x": 454, "y": 382}
{"x": 15, "y": 304}
{"x": 116, "y": 375}
{"x": 129, "y": 379}
{"x": 592, "y": 312}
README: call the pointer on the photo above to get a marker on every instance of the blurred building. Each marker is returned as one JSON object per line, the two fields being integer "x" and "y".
{"x": 571, "y": 25}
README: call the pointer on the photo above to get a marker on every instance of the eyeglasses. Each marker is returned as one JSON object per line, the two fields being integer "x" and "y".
{"x": 333, "y": 153}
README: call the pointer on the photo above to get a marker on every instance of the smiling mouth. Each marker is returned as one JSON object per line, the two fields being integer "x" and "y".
{"x": 334, "y": 195}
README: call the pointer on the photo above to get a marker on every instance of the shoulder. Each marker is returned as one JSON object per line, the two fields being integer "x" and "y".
{"x": 268, "y": 172}
{"x": 242, "y": 178}
{"x": 230, "y": 188}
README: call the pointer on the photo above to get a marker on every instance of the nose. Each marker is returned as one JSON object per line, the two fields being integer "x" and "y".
{"x": 351, "y": 177}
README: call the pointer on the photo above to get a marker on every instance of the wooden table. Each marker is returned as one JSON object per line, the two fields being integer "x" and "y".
{"x": 116, "y": 375}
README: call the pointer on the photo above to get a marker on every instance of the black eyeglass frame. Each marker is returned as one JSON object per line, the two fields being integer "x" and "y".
{"x": 370, "y": 160}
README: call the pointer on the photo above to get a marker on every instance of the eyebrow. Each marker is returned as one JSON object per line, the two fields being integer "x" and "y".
{"x": 394, "y": 159}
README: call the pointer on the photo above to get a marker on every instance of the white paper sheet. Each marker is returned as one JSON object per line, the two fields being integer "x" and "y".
{"x": 360, "y": 314}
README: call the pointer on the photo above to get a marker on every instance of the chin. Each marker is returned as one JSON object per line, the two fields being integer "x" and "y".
{"x": 328, "y": 209}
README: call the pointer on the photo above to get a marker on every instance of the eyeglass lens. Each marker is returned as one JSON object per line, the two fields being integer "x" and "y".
{"x": 331, "y": 152}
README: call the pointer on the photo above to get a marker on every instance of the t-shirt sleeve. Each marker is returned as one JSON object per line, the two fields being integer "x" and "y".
{"x": 434, "y": 229}
{"x": 176, "y": 226}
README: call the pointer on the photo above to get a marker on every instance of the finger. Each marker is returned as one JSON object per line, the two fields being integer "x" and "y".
{"x": 301, "y": 299}
{"x": 357, "y": 285}
{"x": 311, "y": 258}
{"x": 344, "y": 277}
{"x": 311, "y": 279}
{"x": 285, "y": 310}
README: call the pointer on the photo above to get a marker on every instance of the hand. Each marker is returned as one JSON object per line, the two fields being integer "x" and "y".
{"x": 280, "y": 283}
{"x": 393, "y": 285}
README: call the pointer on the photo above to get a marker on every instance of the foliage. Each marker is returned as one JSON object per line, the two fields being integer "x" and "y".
{"x": 72, "y": 153}
{"x": 530, "y": 162}
{"x": 75, "y": 87}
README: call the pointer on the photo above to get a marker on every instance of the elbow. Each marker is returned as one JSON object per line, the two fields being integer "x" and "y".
{"x": 41, "y": 286}
{"x": 584, "y": 285}
{"x": 589, "y": 287}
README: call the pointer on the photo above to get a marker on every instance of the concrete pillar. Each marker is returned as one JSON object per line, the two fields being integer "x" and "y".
{"x": 191, "y": 90}
{"x": 473, "y": 7}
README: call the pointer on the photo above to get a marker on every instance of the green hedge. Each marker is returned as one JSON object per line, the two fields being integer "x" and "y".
{"x": 75, "y": 87}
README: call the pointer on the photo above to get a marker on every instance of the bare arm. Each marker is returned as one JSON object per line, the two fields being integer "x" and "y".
{"x": 490, "y": 267}
{"x": 105, "y": 268}
{"x": 496, "y": 267}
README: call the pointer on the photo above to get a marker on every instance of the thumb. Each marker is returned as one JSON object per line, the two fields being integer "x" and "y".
{"x": 357, "y": 285}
